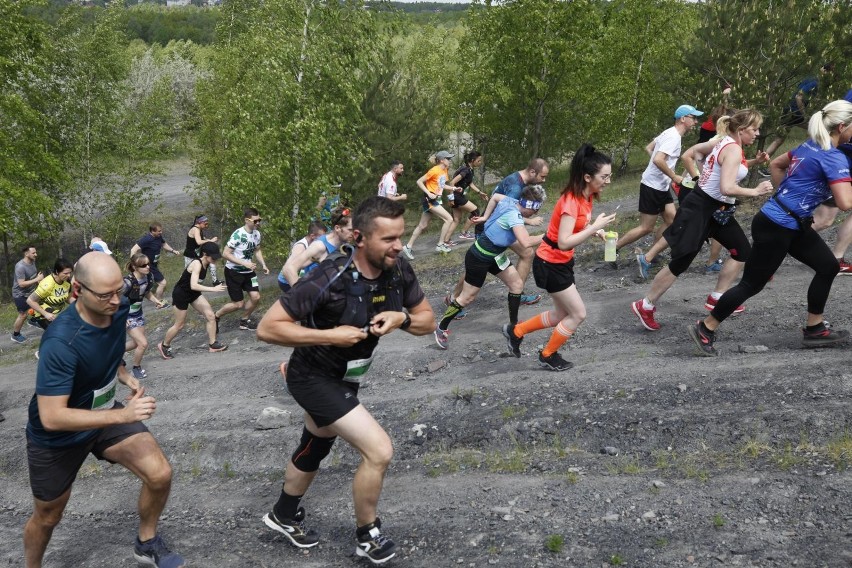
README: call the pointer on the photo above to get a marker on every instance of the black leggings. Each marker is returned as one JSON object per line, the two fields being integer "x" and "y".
{"x": 772, "y": 243}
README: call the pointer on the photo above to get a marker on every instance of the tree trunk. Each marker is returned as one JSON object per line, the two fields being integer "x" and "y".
{"x": 631, "y": 116}
{"x": 297, "y": 153}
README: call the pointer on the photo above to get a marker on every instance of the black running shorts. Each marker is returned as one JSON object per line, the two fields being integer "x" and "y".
{"x": 459, "y": 199}
{"x": 52, "y": 470}
{"x": 239, "y": 282}
{"x": 653, "y": 201}
{"x": 325, "y": 399}
{"x": 553, "y": 277}
{"x": 477, "y": 268}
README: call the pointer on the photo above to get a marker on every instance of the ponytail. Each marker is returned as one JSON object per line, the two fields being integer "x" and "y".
{"x": 722, "y": 127}
{"x": 587, "y": 160}
{"x": 824, "y": 121}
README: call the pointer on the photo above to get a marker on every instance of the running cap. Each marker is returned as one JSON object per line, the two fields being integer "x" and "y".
{"x": 848, "y": 96}
{"x": 100, "y": 246}
{"x": 443, "y": 154}
{"x": 211, "y": 250}
{"x": 687, "y": 110}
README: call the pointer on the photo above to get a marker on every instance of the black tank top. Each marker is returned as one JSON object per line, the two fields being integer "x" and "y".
{"x": 186, "y": 276}
{"x": 192, "y": 247}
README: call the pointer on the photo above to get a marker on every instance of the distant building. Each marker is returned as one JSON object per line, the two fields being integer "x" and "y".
{"x": 171, "y": 3}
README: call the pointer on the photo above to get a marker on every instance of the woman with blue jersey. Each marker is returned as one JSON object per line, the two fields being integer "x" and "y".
{"x": 805, "y": 177}
{"x": 504, "y": 227}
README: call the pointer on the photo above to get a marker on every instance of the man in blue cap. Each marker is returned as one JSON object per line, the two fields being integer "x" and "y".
{"x": 655, "y": 199}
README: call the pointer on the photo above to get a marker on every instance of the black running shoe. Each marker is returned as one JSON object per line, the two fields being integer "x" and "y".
{"x": 294, "y": 529}
{"x": 248, "y": 324}
{"x": 703, "y": 339}
{"x": 513, "y": 342}
{"x": 823, "y": 336}
{"x": 554, "y": 363}
{"x": 373, "y": 545}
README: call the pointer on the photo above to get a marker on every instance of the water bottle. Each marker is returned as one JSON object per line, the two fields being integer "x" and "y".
{"x": 610, "y": 238}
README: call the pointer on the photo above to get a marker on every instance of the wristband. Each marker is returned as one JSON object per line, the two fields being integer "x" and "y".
{"x": 406, "y": 322}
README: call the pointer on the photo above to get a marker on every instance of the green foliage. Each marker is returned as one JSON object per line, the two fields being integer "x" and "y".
{"x": 554, "y": 543}
{"x": 158, "y": 24}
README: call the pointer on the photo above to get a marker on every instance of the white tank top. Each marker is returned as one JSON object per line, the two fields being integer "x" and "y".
{"x": 711, "y": 175}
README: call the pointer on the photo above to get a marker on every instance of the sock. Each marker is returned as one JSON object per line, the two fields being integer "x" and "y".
{"x": 815, "y": 327}
{"x": 286, "y": 506}
{"x": 16, "y": 333}
{"x": 716, "y": 295}
{"x": 706, "y": 329}
{"x": 137, "y": 366}
{"x": 646, "y": 305}
{"x": 535, "y": 323}
{"x": 514, "y": 306}
{"x": 558, "y": 338}
{"x": 449, "y": 315}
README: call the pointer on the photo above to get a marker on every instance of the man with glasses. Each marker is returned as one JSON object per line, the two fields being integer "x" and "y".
{"x": 75, "y": 412}
{"x": 240, "y": 275}
{"x": 151, "y": 244}
{"x": 655, "y": 198}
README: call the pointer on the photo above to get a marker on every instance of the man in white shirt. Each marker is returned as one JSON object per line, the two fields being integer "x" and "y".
{"x": 387, "y": 187}
{"x": 655, "y": 199}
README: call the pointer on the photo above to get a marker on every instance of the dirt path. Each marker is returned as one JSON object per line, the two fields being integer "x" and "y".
{"x": 735, "y": 461}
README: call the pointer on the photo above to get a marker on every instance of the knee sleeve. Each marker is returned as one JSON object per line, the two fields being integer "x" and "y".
{"x": 311, "y": 451}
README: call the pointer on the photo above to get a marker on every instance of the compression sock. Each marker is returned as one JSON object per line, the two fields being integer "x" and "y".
{"x": 449, "y": 315}
{"x": 558, "y": 338}
{"x": 514, "y": 306}
{"x": 535, "y": 323}
{"x": 287, "y": 505}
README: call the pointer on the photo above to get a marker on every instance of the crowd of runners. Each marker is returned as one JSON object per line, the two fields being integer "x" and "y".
{"x": 350, "y": 281}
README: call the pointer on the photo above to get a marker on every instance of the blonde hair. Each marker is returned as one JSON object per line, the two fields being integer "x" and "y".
{"x": 830, "y": 117}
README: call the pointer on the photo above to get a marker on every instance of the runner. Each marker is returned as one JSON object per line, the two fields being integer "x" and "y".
{"x": 463, "y": 179}
{"x": 74, "y": 412}
{"x": 194, "y": 239}
{"x": 188, "y": 291}
{"x": 334, "y": 347}
{"x": 387, "y": 185}
{"x": 805, "y": 177}
{"x": 52, "y": 295}
{"x": 708, "y": 212}
{"x": 553, "y": 267}
{"x": 655, "y": 199}
{"x": 151, "y": 244}
{"x": 305, "y": 261}
{"x": 512, "y": 185}
{"x": 433, "y": 184}
{"x": 27, "y": 275}
{"x": 98, "y": 244}
{"x": 138, "y": 284}
{"x": 240, "y": 275}
{"x": 504, "y": 227}
{"x": 316, "y": 229}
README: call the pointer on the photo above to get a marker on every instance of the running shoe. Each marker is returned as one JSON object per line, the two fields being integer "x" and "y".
{"x": 646, "y": 317}
{"x": 451, "y": 243}
{"x": 644, "y": 266}
{"x": 406, "y": 250}
{"x": 442, "y": 338}
{"x": 216, "y": 347}
{"x": 467, "y": 236}
{"x": 845, "y": 267}
{"x": 554, "y": 363}
{"x": 156, "y": 553}
{"x": 373, "y": 545}
{"x": 442, "y": 248}
{"x": 165, "y": 351}
{"x": 711, "y": 302}
{"x": 714, "y": 268}
{"x": 530, "y": 299}
{"x": 294, "y": 529}
{"x": 164, "y": 305}
{"x": 139, "y": 373}
{"x": 249, "y": 324}
{"x": 32, "y": 322}
{"x": 703, "y": 339}
{"x": 462, "y": 314}
{"x": 36, "y": 354}
{"x": 19, "y": 338}
{"x": 823, "y": 336}
{"x": 513, "y": 342}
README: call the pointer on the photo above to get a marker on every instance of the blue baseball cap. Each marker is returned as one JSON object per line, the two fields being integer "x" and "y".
{"x": 687, "y": 110}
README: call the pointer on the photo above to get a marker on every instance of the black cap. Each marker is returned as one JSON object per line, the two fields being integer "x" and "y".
{"x": 211, "y": 250}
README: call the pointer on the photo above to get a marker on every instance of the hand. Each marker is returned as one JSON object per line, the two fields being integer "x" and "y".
{"x": 221, "y": 288}
{"x": 477, "y": 219}
{"x": 602, "y": 221}
{"x": 139, "y": 407}
{"x": 175, "y": 252}
{"x": 49, "y": 316}
{"x": 265, "y": 270}
{"x": 601, "y": 234}
{"x": 678, "y": 180}
{"x": 535, "y": 221}
{"x": 130, "y": 382}
{"x": 214, "y": 240}
{"x": 385, "y": 322}
{"x": 762, "y": 157}
{"x": 403, "y": 196}
{"x": 39, "y": 276}
{"x": 251, "y": 266}
{"x": 763, "y": 188}
{"x": 346, "y": 335}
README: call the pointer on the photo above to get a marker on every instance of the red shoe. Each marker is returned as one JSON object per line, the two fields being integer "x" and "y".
{"x": 646, "y": 317}
{"x": 710, "y": 303}
{"x": 845, "y": 267}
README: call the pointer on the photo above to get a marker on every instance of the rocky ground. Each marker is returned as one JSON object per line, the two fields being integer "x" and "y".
{"x": 641, "y": 455}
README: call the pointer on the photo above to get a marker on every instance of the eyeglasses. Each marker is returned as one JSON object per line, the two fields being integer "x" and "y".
{"x": 142, "y": 265}
{"x": 605, "y": 177}
{"x": 103, "y": 297}
{"x": 339, "y": 217}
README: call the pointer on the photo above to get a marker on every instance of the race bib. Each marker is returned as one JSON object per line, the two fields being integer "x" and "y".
{"x": 156, "y": 259}
{"x": 502, "y": 261}
{"x": 356, "y": 369}
{"x": 254, "y": 283}
{"x": 135, "y": 307}
{"x": 104, "y": 398}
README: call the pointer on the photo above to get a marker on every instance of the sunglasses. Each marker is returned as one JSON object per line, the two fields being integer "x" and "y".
{"x": 255, "y": 221}
{"x": 142, "y": 265}
{"x": 339, "y": 217}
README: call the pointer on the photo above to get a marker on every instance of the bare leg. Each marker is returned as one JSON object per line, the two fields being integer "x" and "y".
{"x": 731, "y": 270}
{"x": 140, "y": 344}
{"x": 525, "y": 258}
{"x": 251, "y": 304}
{"x": 203, "y": 307}
{"x": 844, "y": 237}
{"x": 39, "y": 528}
{"x": 661, "y": 283}
{"x": 421, "y": 226}
{"x": 180, "y": 321}
{"x": 646, "y": 227}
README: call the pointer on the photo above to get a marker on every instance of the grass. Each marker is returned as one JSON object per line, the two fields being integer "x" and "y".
{"x": 718, "y": 521}
{"x": 616, "y": 560}
{"x": 554, "y": 543}
{"x": 510, "y": 412}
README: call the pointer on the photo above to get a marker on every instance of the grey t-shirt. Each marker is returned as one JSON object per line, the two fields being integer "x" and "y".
{"x": 23, "y": 271}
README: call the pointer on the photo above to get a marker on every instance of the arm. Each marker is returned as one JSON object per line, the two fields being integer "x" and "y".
{"x": 34, "y": 302}
{"x": 194, "y": 271}
{"x": 688, "y": 157}
{"x": 195, "y": 233}
{"x": 659, "y": 160}
{"x": 298, "y": 260}
{"x": 489, "y": 209}
{"x": 154, "y": 300}
{"x": 422, "y": 320}
{"x": 228, "y": 253}
{"x": 259, "y": 254}
{"x": 168, "y": 248}
{"x": 477, "y": 190}
{"x": 278, "y": 327}
{"x": 568, "y": 239}
{"x": 422, "y": 186}
{"x": 56, "y": 416}
{"x": 524, "y": 238}
{"x": 134, "y": 249}
{"x": 27, "y": 283}
{"x": 729, "y": 159}
{"x": 778, "y": 168}
{"x": 842, "y": 193}
{"x": 650, "y": 147}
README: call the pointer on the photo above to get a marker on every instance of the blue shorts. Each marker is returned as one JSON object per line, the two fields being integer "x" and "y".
{"x": 21, "y": 304}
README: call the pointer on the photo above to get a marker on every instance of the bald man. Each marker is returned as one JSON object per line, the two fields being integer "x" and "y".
{"x": 74, "y": 412}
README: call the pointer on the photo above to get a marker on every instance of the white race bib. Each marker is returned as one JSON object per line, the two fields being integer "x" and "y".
{"x": 502, "y": 261}
{"x": 104, "y": 398}
{"x": 356, "y": 369}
